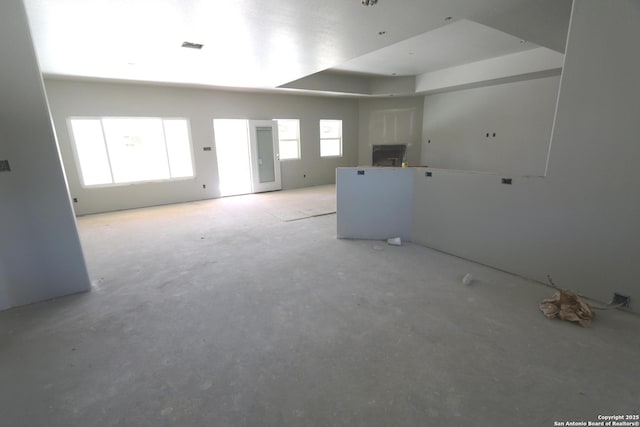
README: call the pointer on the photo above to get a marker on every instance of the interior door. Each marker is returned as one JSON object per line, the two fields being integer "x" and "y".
{"x": 265, "y": 164}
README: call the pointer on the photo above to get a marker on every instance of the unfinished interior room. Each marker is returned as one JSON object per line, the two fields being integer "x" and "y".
{"x": 328, "y": 213}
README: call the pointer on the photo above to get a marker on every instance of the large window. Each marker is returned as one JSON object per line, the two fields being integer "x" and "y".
{"x": 330, "y": 138}
{"x": 113, "y": 151}
{"x": 289, "y": 139}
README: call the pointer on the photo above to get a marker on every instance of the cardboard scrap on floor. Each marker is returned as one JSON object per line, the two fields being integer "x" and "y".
{"x": 567, "y": 305}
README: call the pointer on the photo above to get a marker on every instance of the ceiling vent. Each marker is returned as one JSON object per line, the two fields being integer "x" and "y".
{"x": 192, "y": 45}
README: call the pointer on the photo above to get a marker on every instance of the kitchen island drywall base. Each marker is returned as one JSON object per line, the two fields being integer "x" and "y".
{"x": 374, "y": 203}
{"x": 521, "y": 227}
{"x": 474, "y": 215}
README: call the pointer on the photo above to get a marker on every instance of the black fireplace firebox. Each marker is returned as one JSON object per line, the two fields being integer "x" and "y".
{"x": 389, "y": 155}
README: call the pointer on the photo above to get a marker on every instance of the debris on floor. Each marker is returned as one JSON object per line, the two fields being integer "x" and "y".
{"x": 395, "y": 241}
{"x": 567, "y": 305}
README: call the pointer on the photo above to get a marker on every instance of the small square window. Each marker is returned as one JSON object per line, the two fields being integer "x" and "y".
{"x": 330, "y": 138}
{"x": 289, "y": 139}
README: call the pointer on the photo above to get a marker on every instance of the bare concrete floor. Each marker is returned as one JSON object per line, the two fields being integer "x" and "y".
{"x": 236, "y": 312}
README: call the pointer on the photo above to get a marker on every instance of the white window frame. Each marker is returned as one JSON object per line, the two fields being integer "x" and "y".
{"x": 339, "y": 137}
{"x": 120, "y": 184}
{"x": 297, "y": 140}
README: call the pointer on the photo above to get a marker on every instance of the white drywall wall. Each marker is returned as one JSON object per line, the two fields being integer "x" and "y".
{"x": 371, "y": 111}
{"x": 6, "y": 190}
{"x": 4, "y": 286}
{"x": 393, "y": 86}
{"x": 520, "y": 65}
{"x": 475, "y": 216}
{"x": 456, "y": 124}
{"x": 578, "y": 224}
{"x": 374, "y": 203}
{"x": 40, "y": 250}
{"x": 82, "y": 98}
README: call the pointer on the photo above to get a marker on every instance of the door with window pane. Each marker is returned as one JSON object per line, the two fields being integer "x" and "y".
{"x": 265, "y": 164}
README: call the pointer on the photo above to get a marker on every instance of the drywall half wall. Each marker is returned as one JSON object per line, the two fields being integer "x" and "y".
{"x": 504, "y": 128}
{"x": 390, "y": 120}
{"x": 374, "y": 203}
{"x": 40, "y": 252}
{"x": 200, "y": 106}
{"x": 579, "y": 223}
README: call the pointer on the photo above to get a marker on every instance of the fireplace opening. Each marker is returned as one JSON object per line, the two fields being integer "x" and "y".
{"x": 389, "y": 155}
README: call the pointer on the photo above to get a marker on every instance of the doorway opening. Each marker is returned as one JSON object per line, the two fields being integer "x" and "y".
{"x": 247, "y": 155}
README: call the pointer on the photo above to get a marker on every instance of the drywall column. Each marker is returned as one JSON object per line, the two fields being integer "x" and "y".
{"x": 374, "y": 203}
{"x": 6, "y": 207}
{"x": 40, "y": 250}
{"x": 4, "y": 297}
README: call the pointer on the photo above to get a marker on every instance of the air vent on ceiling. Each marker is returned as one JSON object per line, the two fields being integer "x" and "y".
{"x": 192, "y": 45}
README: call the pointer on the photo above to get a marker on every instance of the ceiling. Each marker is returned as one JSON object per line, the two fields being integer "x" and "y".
{"x": 458, "y": 43}
{"x": 292, "y": 44}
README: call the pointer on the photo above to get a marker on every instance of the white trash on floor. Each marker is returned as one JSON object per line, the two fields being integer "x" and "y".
{"x": 395, "y": 241}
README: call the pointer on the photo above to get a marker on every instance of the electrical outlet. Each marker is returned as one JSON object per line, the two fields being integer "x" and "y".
{"x": 4, "y": 166}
